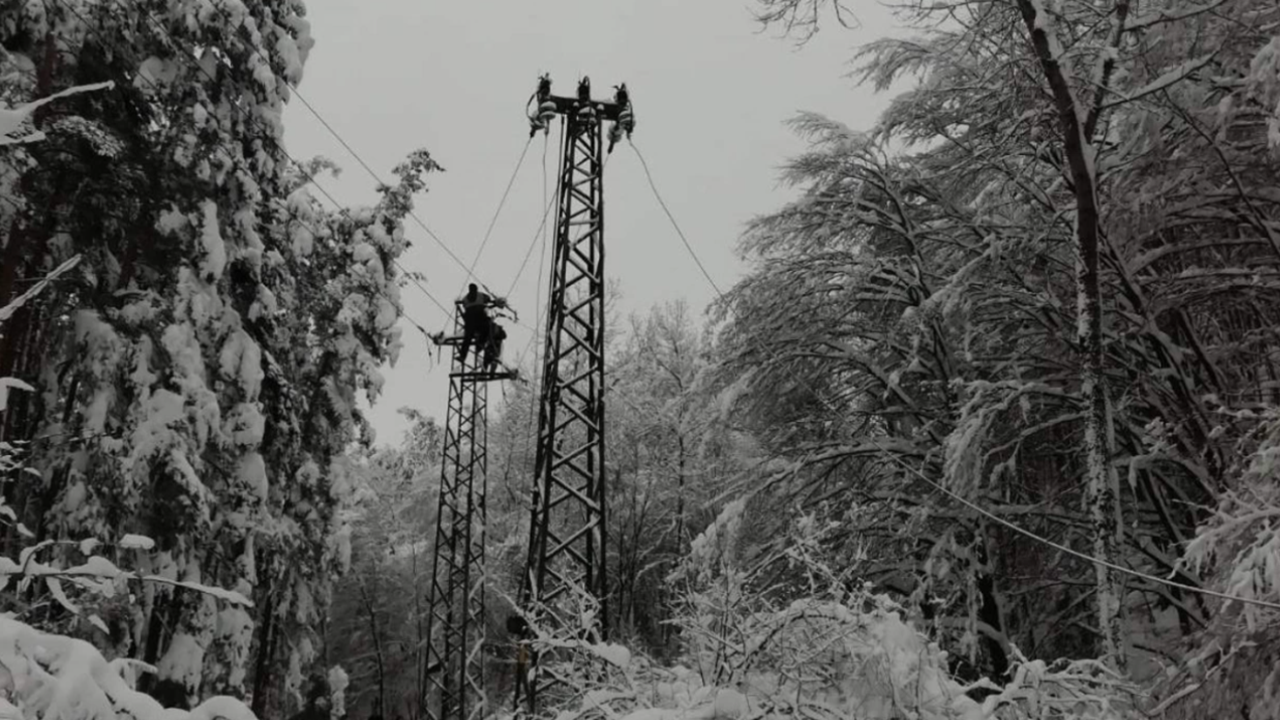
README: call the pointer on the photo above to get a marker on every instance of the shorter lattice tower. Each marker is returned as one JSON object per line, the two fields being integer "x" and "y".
{"x": 453, "y": 669}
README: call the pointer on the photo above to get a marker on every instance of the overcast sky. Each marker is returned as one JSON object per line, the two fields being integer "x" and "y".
{"x": 712, "y": 93}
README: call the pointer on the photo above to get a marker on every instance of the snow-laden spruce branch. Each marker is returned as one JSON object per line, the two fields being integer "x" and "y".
{"x": 14, "y": 120}
{"x": 8, "y": 310}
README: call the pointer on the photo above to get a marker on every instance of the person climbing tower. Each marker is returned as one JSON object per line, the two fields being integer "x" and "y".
{"x": 475, "y": 321}
{"x": 493, "y": 348}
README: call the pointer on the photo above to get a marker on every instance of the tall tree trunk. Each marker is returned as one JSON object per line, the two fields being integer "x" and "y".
{"x": 422, "y": 654}
{"x": 377, "y": 648}
{"x": 680, "y": 500}
{"x": 266, "y": 650}
{"x": 1078, "y": 127}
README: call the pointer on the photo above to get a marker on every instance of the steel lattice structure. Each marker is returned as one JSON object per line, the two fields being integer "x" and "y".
{"x": 568, "y": 528}
{"x": 453, "y": 674}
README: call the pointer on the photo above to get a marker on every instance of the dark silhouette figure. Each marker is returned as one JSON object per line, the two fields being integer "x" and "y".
{"x": 493, "y": 348}
{"x": 475, "y": 320}
{"x": 316, "y": 705}
{"x": 518, "y": 629}
{"x": 171, "y": 694}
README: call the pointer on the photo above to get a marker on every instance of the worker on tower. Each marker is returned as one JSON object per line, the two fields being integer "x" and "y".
{"x": 493, "y": 348}
{"x": 476, "y": 324}
{"x": 626, "y": 122}
{"x": 544, "y": 107}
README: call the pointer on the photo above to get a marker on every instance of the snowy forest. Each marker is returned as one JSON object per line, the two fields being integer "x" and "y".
{"x": 990, "y": 429}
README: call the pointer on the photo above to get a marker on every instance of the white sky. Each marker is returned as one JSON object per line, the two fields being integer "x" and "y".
{"x": 711, "y": 94}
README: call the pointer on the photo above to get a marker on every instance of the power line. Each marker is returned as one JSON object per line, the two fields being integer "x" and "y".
{"x": 323, "y": 122}
{"x": 430, "y": 233}
{"x": 412, "y": 215}
{"x": 1069, "y": 551}
{"x": 537, "y": 293}
{"x": 653, "y": 186}
{"x": 670, "y": 217}
{"x": 423, "y": 288}
{"x": 532, "y": 243}
{"x": 545, "y": 213}
{"x": 494, "y": 220}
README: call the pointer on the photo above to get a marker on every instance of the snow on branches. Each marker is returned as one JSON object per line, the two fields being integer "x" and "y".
{"x": 196, "y": 378}
{"x": 1046, "y": 280}
{"x": 835, "y": 653}
{"x": 44, "y": 676}
{"x": 16, "y": 125}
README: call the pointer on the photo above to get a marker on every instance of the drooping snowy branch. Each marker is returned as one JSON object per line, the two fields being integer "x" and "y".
{"x": 15, "y": 123}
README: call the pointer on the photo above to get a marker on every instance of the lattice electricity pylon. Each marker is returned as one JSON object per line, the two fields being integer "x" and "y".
{"x": 454, "y": 669}
{"x": 568, "y": 531}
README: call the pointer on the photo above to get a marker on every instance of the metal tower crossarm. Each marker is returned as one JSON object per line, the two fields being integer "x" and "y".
{"x": 607, "y": 110}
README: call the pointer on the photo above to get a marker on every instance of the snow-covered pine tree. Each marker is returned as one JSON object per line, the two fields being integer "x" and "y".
{"x": 218, "y": 318}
